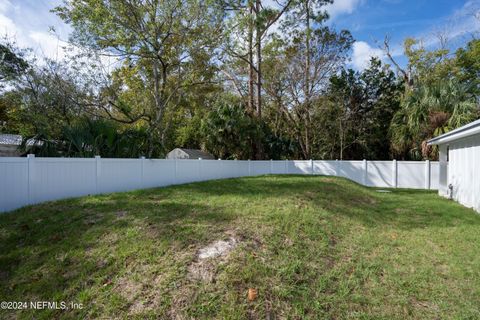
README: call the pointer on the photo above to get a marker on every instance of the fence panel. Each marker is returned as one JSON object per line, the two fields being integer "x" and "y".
{"x": 279, "y": 166}
{"x": 236, "y": 168}
{"x": 299, "y": 167}
{"x": 117, "y": 175}
{"x": 352, "y": 170}
{"x": 52, "y": 179}
{"x": 325, "y": 167}
{"x": 158, "y": 173}
{"x": 188, "y": 171}
{"x": 434, "y": 175}
{"x": 13, "y": 183}
{"x": 260, "y": 167}
{"x": 212, "y": 169}
{"x": 32, "y": 180}
{"x": 411, "y": 174}
{"x": 380, "y": 174}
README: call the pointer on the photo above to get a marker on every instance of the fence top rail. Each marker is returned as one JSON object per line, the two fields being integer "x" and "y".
{"x": 13, "y": 159}
{"x": 45, "y": 159}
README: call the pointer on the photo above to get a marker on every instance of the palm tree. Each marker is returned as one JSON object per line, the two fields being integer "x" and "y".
{"x": 428, "y": 111}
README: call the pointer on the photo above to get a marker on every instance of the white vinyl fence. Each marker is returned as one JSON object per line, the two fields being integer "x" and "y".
{"x": 31, "y": 180}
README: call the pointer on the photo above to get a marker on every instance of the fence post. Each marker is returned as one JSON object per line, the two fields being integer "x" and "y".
{"x": 427, "y": 174}
{"x": 98, "y": 168}
{"x": 365, "y": 171}
{"x": 337, "y": 167}
{"x": 142, "y": 177}
{"x": 30, "y": 168}
{"x": 249, "y": 168}
{"x": 271, "y": 166}
{"x": 175, "y": 179}
{"x": 395, "y": 173}
{"x": 200, "y": 169}
{"x": 286, "y": 166}
{"x": 236, "y": 168}
{"x": 311, "y": 166}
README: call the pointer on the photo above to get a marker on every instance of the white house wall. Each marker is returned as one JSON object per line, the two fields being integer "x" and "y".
{"x": 464, "y": 171}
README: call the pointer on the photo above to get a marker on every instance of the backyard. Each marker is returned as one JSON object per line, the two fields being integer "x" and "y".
{"x": 311, "y": 246}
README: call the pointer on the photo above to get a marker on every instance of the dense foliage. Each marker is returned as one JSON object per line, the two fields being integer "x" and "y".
{"x": 238, "y": 78}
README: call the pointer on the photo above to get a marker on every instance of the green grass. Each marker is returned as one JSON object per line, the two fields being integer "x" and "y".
{"x": 313, "y": 247}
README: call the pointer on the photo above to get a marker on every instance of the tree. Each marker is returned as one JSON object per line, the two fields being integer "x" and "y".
{"x": 430, "y": 110}
{"x": 423, "y": 65}
{"x": 467, "y": 60}
{"x": 51, "y": 96}
{"x": 12, "y": 63}
{"x": 246, "y": 33}
{"x": 168, "y": 42}
{"x": 365, "y": 103}
{"x": 313, "y": 53}
{"x": 90, "y": 137}
{"x": 229, "y": 132}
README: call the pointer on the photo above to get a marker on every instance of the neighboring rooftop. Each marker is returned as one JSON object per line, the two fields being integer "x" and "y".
{"x": 462, "y": 132}
{"x": 10, "y": 139}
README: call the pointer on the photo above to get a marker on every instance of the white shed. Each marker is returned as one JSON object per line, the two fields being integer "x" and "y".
{"x": 182, "y": 153}
{"x": 459, "y": 153}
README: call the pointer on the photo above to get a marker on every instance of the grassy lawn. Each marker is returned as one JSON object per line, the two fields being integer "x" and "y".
{"x": 313, "y": 247}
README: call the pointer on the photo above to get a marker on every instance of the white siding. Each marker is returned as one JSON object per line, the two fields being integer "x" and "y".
{"x": 464, "y": 171}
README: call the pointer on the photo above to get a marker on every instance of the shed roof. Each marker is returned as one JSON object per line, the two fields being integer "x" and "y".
{"x": 10, "y": 139}
{"x": 195, "y": 153}
{"x": 462, "y": 132}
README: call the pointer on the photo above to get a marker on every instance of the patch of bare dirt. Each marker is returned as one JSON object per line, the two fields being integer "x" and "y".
{"x": 203, "y": 269}
{"x": 431, "y": 306}
{"x": 128, "y": 288}
{"x": 208, "y": 258}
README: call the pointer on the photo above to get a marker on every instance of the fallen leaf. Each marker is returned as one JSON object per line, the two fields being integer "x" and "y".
{"x": 252, "y": 294}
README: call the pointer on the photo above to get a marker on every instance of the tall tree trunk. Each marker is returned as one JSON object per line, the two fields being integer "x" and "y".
{"x": 341, "y": 140}
{"x": 307, "y": 60}
{"x": 157, "y": 93}
{"x": 258, "y": 40}
{"x": 307, "y": 80}
{"x": 251, "y": 91}
{"x": 307, "y": 139}
{"x": 259, "y": 60}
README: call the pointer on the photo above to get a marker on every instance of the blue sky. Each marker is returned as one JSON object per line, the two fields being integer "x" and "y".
{"x": 369, "y": 21}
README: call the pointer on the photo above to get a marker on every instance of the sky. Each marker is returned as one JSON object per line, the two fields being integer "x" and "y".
{"x": 371, "y": 20}
{"x": 29, "y": 22}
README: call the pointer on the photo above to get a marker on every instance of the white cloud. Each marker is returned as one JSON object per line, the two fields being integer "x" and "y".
{"x": 7, "y": 26}
{"x": 362, "y": 53}
{"x": 453, "y": 31}
{"x": 463, "y": 23}
{"x": 339, "y": 7}
{"x": 48, "y": 45}
{"x": 28, "y": 25}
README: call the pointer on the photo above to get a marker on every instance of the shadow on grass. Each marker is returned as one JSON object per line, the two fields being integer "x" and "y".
{"x": 400, "y": 208}
{"x": 40, "y": 245}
